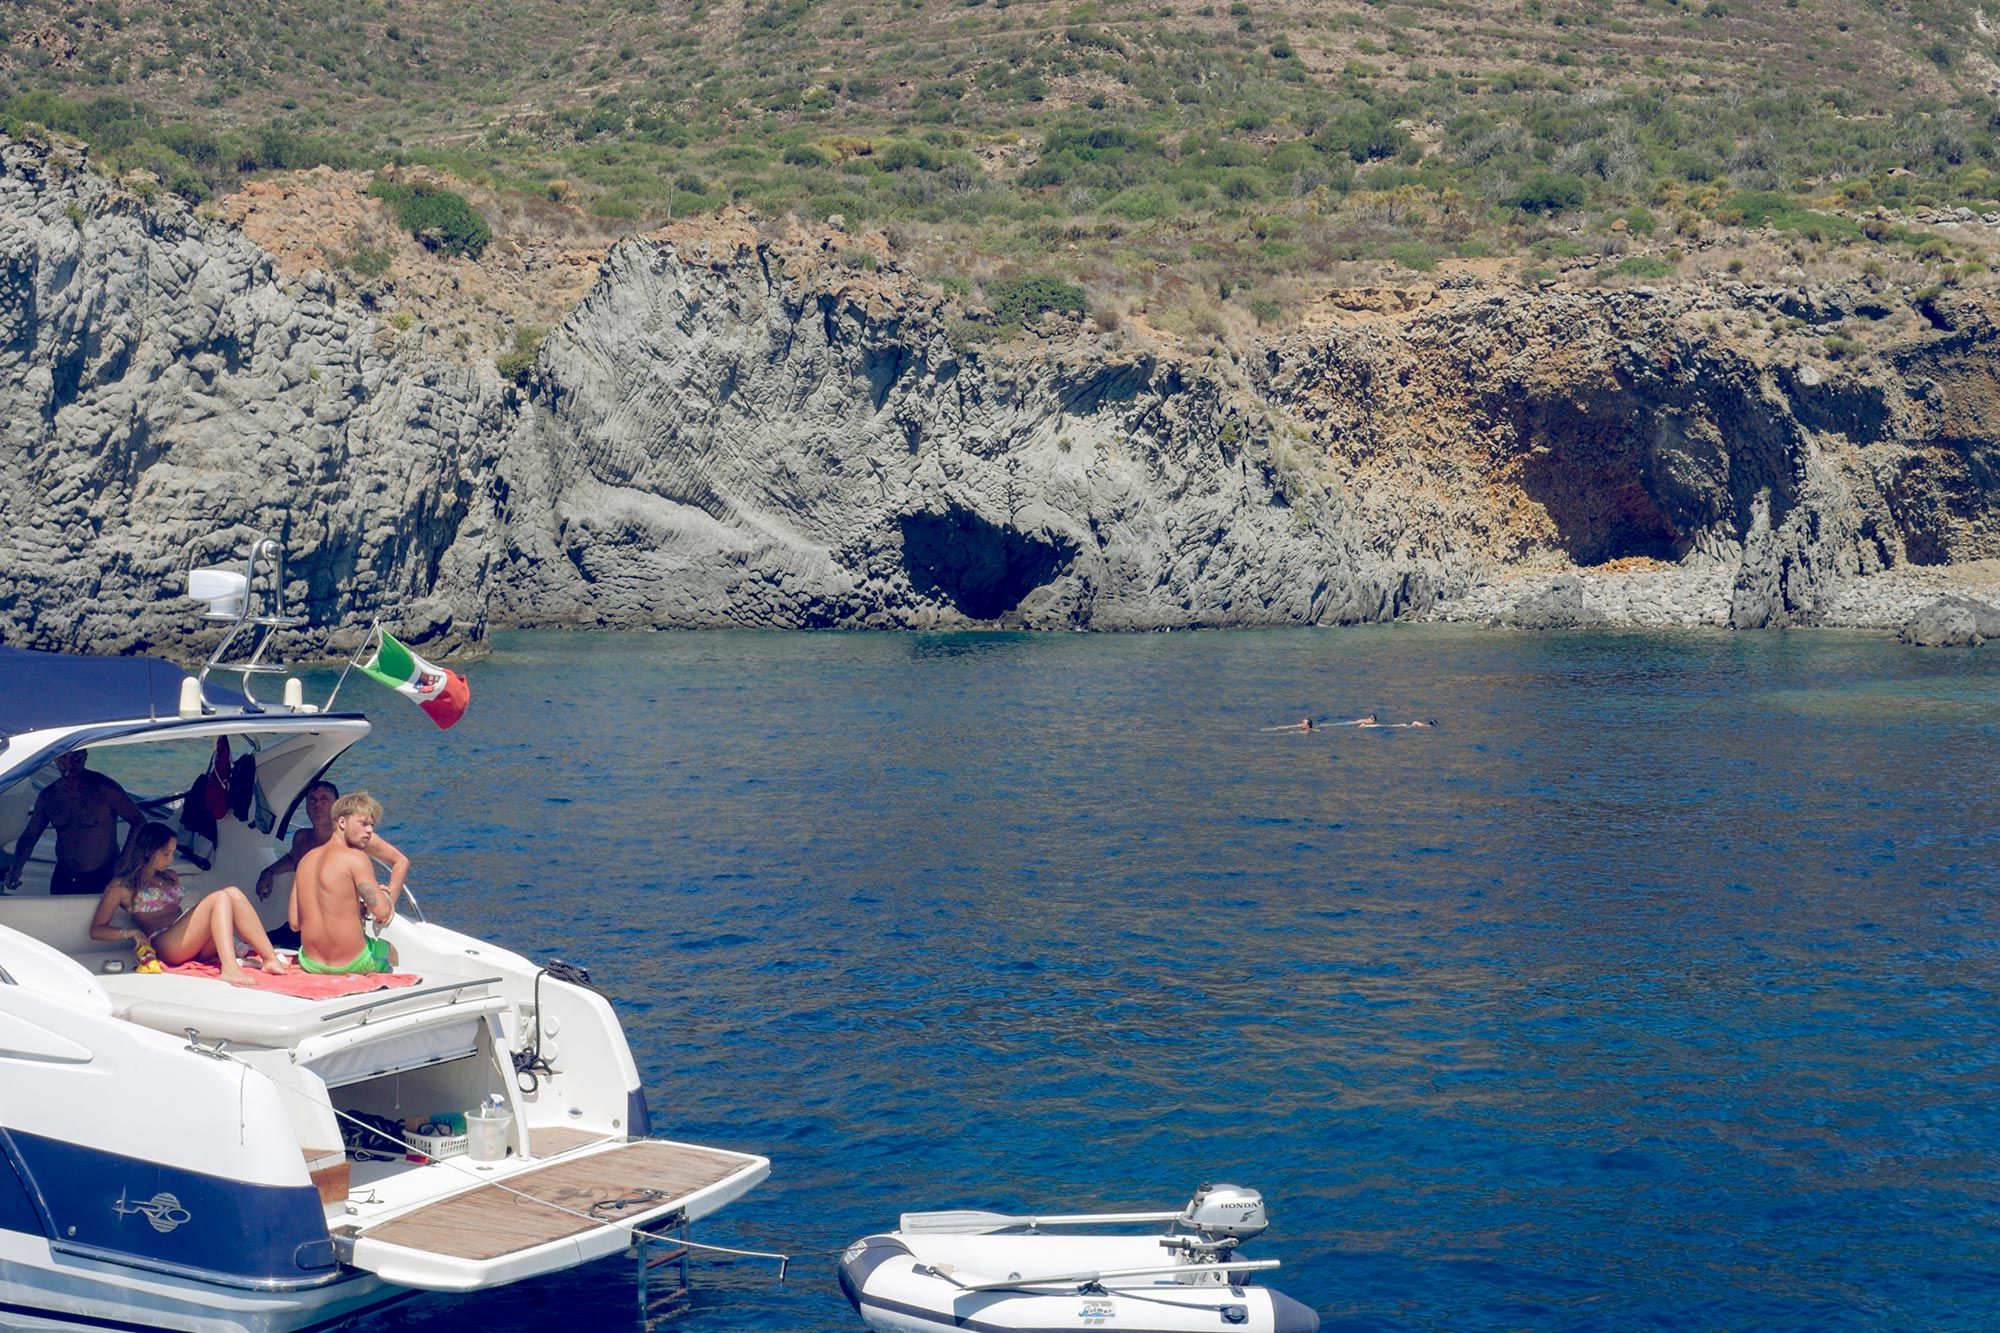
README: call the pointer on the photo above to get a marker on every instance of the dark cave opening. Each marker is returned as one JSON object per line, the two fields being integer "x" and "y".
{"x": 982, "y": 569}
{"x": 1591, "y": 473}
{"x": 1601, "y": 513}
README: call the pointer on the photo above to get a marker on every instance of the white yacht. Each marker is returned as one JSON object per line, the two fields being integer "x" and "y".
{"x": 178, "y": 1153}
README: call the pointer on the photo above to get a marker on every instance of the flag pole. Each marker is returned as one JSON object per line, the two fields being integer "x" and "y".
{"x": 374, "y": 628}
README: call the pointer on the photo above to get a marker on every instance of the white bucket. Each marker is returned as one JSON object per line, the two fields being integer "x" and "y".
{"x": 486, "y": 1133}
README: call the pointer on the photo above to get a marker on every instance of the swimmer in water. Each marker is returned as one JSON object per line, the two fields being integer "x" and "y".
{"x": 1366, "y": 721}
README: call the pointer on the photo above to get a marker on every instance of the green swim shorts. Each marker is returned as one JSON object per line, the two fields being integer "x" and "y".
{"x": 374, "y": 957}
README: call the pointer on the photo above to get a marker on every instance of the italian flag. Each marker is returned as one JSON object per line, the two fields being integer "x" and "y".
{"x": 442, "y": 694}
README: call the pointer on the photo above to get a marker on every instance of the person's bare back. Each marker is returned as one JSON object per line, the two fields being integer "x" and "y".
{"x": 334, "y": 884}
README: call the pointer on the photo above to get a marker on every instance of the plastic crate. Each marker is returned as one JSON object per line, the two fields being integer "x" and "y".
{"x": 430, "y": 1147}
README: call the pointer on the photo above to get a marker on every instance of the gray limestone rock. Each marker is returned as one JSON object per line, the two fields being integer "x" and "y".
{"x": 720, "y": 440}
{"x": 1559, "y": 606}
{"x": 1952, "y": 622}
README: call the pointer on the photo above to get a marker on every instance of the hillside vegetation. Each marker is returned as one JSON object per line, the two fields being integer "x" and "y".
{"x": 1251, "y": 148}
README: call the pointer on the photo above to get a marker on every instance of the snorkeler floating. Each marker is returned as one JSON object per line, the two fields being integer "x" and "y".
{"x": 1368, "y": 721}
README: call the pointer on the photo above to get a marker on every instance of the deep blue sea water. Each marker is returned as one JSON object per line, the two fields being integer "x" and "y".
{"x": 1655, "y": 989}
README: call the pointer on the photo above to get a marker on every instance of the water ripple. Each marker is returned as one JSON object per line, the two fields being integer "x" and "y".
{"x": 1654, "y": 989}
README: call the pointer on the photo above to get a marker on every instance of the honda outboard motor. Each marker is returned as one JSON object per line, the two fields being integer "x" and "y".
{"x": 1229, "y": 1212}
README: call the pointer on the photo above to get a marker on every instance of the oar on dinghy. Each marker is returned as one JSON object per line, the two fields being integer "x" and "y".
{"x": 1215, "y": 1210}
{"x": 1065, "y": 1279}
{"x": 972, "y": 1222}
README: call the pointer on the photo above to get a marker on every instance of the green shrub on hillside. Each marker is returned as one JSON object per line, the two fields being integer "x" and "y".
{"x": 1142, "y": 203}
{"x": 902, "y": 154}
{"x": 1550, "y": 192}
{"x": 439, "y": 218}
{"x": 277, "y": 148}
{"x": 1761, "y": 208}
{"x": 1416, "y": 255}
{"x": 1025, "y": 299}
{"x": 519, "y": 363}
{"x": 1643, "y": 266}
{"x": 1364, "y": 134}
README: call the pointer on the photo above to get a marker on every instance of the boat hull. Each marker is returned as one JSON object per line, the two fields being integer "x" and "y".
{"x": 40, "y": 1289}
{"x": 896, "y": 1285}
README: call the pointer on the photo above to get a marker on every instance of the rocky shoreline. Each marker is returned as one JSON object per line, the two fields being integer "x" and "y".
{"x": 746, "y": 425}
{"x": 1905, "y": 601}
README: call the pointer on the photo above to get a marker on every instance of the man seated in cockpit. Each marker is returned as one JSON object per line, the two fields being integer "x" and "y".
{"x": 84, "y": 808}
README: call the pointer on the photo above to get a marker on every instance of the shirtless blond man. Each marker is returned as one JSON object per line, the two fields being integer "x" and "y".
{"x": 335, "y": 884}
{"x": 320, "y": 797}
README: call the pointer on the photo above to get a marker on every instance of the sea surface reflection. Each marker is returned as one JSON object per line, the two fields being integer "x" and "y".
{"x": 1653, "y": 989}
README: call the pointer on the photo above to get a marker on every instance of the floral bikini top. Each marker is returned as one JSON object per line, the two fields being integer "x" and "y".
{"x": 159, "y": 896}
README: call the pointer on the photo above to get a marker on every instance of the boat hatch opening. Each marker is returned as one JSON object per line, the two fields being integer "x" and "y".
{"x": 523, "y": 1223}
{"x": 398, "y": 1053}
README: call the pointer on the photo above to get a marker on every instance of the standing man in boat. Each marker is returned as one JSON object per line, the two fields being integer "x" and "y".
{"x": 84, "y": 807}
{"x": 332, "y": 879}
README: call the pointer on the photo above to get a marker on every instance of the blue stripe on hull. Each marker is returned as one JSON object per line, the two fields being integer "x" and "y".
{"x": 17, "y": 1207}
{"x": 133, "y": 1211}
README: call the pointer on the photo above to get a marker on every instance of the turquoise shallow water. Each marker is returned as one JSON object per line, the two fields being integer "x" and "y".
{"x": 1654, "y": 989}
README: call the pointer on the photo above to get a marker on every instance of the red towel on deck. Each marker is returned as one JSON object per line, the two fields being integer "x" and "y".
{"x": 305, "y": 985}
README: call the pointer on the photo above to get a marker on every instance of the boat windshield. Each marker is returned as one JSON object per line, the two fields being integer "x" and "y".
{"x": 161, "y": 769}
{"x": 256, "y": 777}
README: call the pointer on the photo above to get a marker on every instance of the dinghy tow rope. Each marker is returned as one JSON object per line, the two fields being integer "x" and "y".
{"x": 641, "y": 1196}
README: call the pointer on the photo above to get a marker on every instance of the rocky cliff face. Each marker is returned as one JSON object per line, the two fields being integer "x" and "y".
{"x": 739, "y": 428}
{"x": 726, "y": 432}
{"x": 1632, "y": 431}
{"x": 164, "y": 393}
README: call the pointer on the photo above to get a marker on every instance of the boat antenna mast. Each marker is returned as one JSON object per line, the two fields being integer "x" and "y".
{"x": 233, "y": 596}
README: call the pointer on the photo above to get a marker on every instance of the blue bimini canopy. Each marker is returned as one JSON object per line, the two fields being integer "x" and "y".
{"x": 40, "y": 690}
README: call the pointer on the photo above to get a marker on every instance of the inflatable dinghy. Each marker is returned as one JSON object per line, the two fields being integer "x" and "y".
{"x": 992, "y": 1273}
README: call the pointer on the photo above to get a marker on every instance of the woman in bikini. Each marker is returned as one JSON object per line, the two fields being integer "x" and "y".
{"x": 149, "y": 893}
